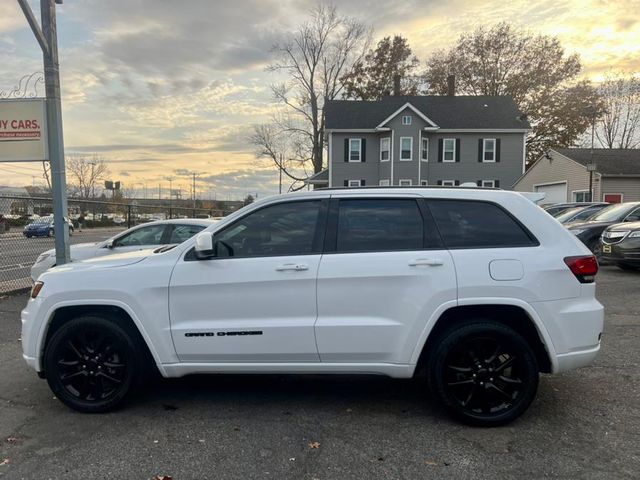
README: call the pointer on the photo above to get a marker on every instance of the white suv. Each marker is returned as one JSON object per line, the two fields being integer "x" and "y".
{"x": 480, "y": 289}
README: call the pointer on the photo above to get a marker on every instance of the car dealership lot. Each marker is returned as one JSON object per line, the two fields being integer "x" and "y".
{"x": 583, "y": 424}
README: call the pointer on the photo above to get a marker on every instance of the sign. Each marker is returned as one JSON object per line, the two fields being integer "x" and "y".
{"x": 23, "y": 132}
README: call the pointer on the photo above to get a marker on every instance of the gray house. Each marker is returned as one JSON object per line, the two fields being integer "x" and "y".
{"x": 424, "y": 140}
{"x": 563, "y": 174}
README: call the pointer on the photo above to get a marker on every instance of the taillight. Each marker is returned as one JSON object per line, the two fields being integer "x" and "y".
{"x": 583, "y": 267}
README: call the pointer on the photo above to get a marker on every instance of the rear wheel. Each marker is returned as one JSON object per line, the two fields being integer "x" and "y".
{"x": 50, "y": 232}
{"x": 484, "y": 373}
{"x": 91, "y": 364}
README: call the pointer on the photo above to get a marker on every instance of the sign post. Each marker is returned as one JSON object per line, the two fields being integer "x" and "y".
{"x": 48, "y": 40}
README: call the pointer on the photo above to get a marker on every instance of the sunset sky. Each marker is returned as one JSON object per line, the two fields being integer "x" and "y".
{"x": 160, "y": 87}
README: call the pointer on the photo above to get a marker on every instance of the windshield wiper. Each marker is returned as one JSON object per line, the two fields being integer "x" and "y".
{"x": 165, "y": 248}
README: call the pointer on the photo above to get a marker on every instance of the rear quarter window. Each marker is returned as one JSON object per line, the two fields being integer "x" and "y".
{"x": 478, "y": 224}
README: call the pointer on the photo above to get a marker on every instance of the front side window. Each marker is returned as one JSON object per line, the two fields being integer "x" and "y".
{"x": 355, "y": 150}
{"x": 366, "y": 225}
{"x": 385, "y": 149}
{"x": 278, "y": 230}
{"x": 489, "y": 150}
{"x": 476, "y": 224}
{"x": 406, "y": 147}
{"x": 449, "y": 150}
{"x": 181, "y": 233}
{"x": 405, "y": 182}
{"x": 406, "y": 120}
{"x": 151, "y": 235}
{"x": 424, "y": 155}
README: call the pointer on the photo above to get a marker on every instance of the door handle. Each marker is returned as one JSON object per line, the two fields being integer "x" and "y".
{"x": 429, "y": 262}
{"x": 296, "y": 267}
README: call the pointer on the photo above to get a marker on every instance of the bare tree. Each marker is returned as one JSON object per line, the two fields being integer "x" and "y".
{"x": 315, "y": 58}
{"x": 84, "y": 174}
{"x": 619, "y": 126}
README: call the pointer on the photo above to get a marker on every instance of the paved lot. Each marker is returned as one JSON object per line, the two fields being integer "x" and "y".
{"x": 18, "y": 253}
{"x": 584, "y": 424}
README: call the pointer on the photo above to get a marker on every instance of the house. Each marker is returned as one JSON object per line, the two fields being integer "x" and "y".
{"x": 424, "y": 140}
{"x": 563, "y": 174}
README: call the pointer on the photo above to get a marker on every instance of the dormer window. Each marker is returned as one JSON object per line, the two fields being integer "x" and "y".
{"x": 406, "y": 119}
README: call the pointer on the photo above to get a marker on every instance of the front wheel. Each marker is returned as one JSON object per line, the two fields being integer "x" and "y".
{"x": 484, "y": 373}
{"x": 91, "y": 364}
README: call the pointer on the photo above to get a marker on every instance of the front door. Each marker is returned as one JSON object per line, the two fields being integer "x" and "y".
{"x": 382, "y": 277}
{"x": 255, "y": 301}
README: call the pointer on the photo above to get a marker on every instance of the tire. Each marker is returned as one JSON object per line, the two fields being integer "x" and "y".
{"x": 462, "y": 367}
{"x": 626, "y": 266}
{"x": 70, "y": 231}
{"x": 91, "y": 364}
{"x": 50, "y": 232}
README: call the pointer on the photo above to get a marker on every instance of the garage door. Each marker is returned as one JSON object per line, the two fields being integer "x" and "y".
{"x": 556, "y": 193}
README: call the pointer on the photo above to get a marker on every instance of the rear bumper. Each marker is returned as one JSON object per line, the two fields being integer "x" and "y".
{"x": 572, "y": 360}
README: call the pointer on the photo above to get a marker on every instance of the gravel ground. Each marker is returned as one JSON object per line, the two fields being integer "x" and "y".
{"x": 583, "y": 424}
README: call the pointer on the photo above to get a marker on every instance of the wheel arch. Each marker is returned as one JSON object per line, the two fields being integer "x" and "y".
{"x": 517, "y": 315}
{"x": 113, "y": 311}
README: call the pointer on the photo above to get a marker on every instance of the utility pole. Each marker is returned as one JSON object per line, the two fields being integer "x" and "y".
{"x": 194, "y": 190}
{"x": 48, "y": 40}
{"x": 93, "y": 180}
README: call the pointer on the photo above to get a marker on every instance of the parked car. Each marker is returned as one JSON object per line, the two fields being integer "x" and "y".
{"x": 579, "y": 214}
{"x": 4, "y": 224}
{"x": 140, "y": 237}
{"x": 621, "y": 245}
{"x": 43, "y": 227}
{"x": 590, "y": 230}
{"x": 558, "y": 208}
{"x": 479, "y": 288}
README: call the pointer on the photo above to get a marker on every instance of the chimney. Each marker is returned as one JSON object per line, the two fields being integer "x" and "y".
{"x": 396, "y": 85}
{"x": 451, "y": 85}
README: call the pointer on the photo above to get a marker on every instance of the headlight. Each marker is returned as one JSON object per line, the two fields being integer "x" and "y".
{"x": 42, "y": 257}
{"x": 635, "y": 234}
{"x": 577, "y": 231}
{"x": 35, "y": 290}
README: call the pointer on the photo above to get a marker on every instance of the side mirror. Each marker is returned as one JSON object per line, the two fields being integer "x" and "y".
{"x": 204, "y": 245}
{"x": 109, "y": 244}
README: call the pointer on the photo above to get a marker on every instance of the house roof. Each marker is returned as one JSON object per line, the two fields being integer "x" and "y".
{"x": 609, "y": 161}
{"x": 319, "y": 178}
{"x": 460, "y": 112}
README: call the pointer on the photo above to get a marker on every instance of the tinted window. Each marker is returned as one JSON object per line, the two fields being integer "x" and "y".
{"x": 151, "y": 235}
{"x": 471, "y": 224}
{"x": 613, "y": 213}
{"x": 379, "y": 225}
{"x": 180, "y": 233}
{"x": 283, "y": 229}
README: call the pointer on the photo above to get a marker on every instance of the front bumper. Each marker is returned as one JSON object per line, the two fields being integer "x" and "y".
{"x": 627, "y": 251}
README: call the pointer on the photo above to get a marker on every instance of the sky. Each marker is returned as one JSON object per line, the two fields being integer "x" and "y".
{"x": 162, "y": 88}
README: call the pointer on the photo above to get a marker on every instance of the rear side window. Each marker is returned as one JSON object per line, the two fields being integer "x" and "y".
{"x": 182, "y": 233}
{"x": 473, "y": 224}
{"x": 367, "y": 225}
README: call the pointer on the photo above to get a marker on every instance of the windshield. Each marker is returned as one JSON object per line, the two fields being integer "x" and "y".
{"x": 612, "y": 213}
{"x": 568, "y": 214}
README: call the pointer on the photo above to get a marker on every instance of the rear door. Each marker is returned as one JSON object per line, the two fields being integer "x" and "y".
{"x": 382, "y": 276}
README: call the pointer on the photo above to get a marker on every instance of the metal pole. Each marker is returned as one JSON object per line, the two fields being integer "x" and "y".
{"x": 54, "y": 129}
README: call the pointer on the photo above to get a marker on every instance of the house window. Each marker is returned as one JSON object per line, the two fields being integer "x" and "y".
{"x": 581, "y": 196}
{"x": 448, "y": 183}
{"x": 424, "y": 151}
{"x": 424, "y": 183}
{"x": 384, "y": 183}
{"x": 354, "y": 183}
{"x": 406, "y": 119}
{"x": 488, "y": 183}
{"x": 355, "y": 149}
{"x": 449, "y": 150}
{"x": 405, "y": 182}
{"x": 406, "y": 147}
{"x": 385, "y": 149}
{"x": 489, "y": 150}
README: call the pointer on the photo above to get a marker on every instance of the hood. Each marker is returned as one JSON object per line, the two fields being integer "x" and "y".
{"x": 592, "y": 224}
{"x": 624, "y": 226}
{"x": 73, "y": 248}
{"x": 109, "y": 261}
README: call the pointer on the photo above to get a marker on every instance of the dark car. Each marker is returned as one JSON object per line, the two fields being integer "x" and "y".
{"x": 579, "y": 214}
{"x": 557, "y": 208}
{"x": 621, "y": 245}
{"x": 589, "y": 231}
{"x": 43, "y": 227}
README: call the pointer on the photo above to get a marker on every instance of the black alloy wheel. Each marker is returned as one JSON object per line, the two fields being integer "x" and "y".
{"x": 91, "y": 364}
{"x": 484, "y": 373}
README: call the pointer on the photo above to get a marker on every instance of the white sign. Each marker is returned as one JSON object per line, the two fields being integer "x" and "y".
{"x": 23, "y": 132}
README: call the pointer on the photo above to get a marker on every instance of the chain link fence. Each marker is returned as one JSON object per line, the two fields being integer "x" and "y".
{"x": 26, "y": 226}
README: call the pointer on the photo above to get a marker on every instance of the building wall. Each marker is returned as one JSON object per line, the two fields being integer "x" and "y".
{"x": 558, "y": 169}
{"x": 468, "y": 169}
{"x": 629, "y": 187}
